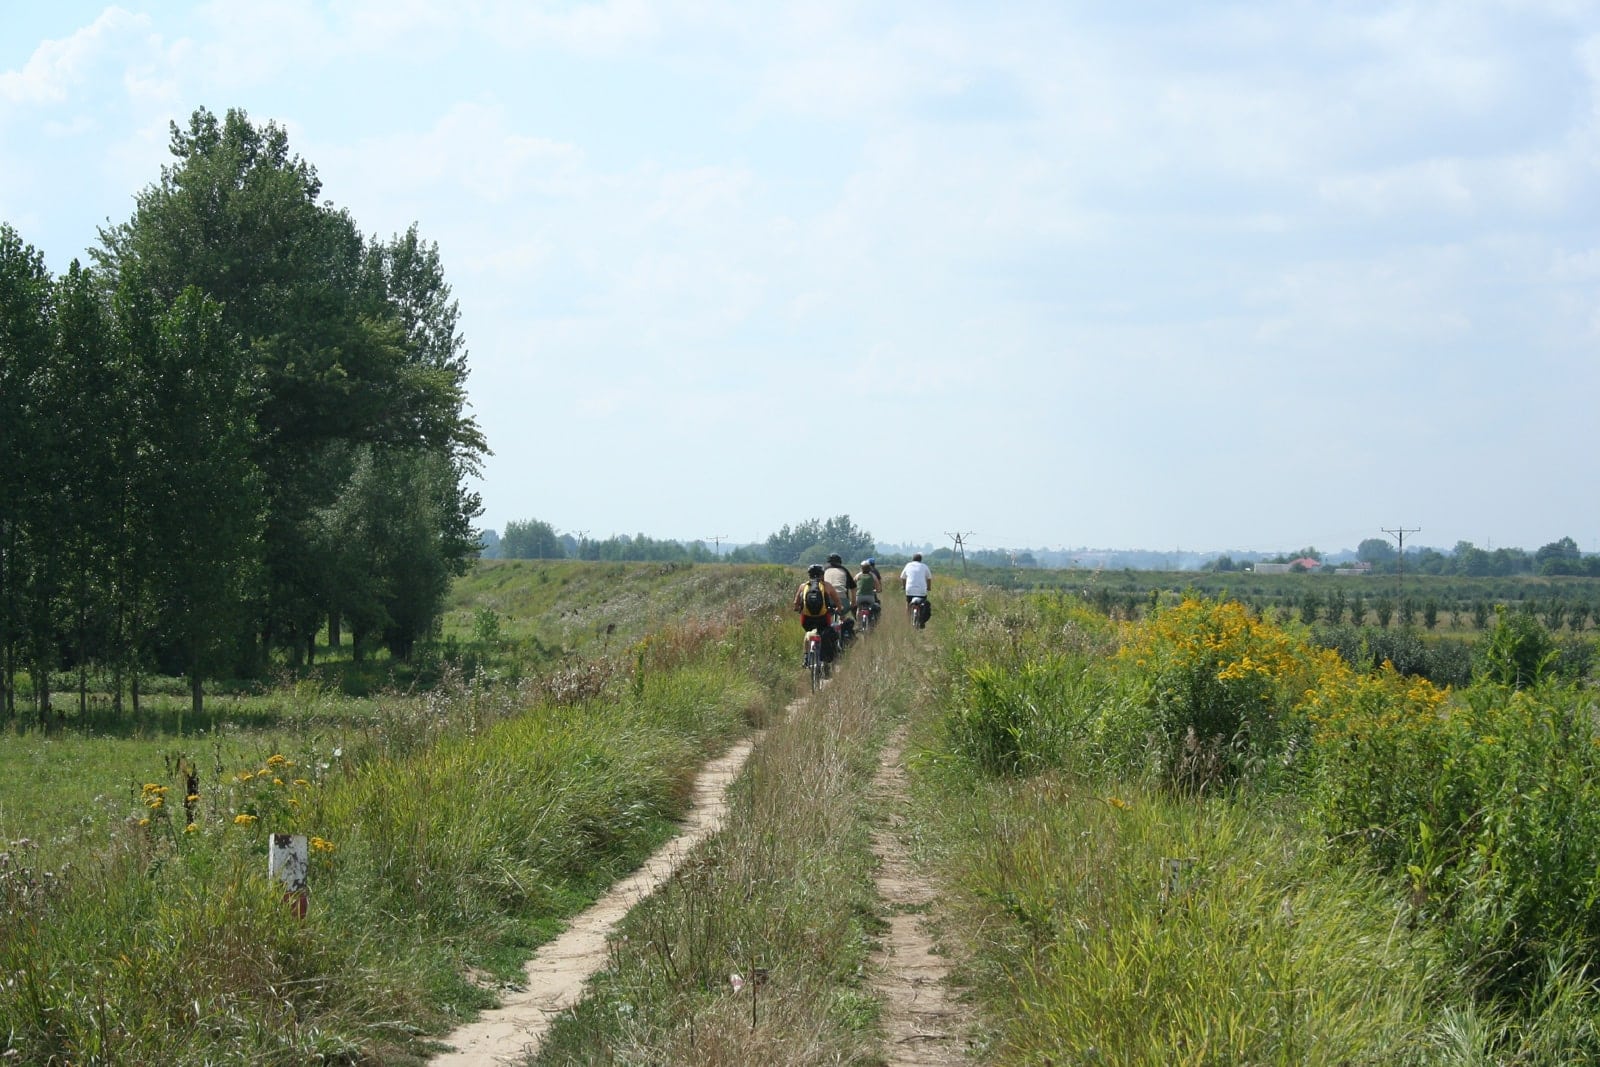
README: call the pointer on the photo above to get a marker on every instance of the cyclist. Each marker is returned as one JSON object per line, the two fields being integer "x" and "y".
{"x": 868, "y": 582}
{"x": 816, "y": 600}
{"x": 844, "y": 583}
{"x": 917, "y": 579}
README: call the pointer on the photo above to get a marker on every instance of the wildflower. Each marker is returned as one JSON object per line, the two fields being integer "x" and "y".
{"x": 322, "y": 844}
{"x": 192, "y": 798}
{"x": 144, "y": 822}
{"x": 244, "y": 819}
{"x": 191, "y": 828}
{"x": 301, "y": 783}
{"x": 277, "y": 781}
{"x": 1118, "y": 803}
{"x": 276, "y": 761}
{"x": 245, "y": 776}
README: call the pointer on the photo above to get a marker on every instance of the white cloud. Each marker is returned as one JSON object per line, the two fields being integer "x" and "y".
{"x": 58, "y": 69}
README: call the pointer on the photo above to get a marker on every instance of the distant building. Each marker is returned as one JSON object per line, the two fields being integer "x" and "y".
{"x": 1361, "y": 567}
{"x": 1306, "y": 563}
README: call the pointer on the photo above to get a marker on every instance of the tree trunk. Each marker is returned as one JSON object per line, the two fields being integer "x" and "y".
{"x": 333, "y": 629}
{"x": 196, "y": 697}
{"x": 41, "y": 694}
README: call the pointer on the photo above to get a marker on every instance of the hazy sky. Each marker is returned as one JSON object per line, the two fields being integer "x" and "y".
{"x": 1204, "y": 276}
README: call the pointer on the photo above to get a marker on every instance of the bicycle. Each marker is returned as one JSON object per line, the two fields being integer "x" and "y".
{"x": 919, "y": 610}
{"x": 816, "y": 667}
{"x": 864, "y": 615}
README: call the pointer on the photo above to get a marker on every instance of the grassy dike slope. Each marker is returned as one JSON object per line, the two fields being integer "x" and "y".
{"x": 452, "y": 832}
{"x": 756, "y": 951}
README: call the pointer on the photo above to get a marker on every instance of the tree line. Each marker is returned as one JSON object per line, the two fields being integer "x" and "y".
{"x": 807, "y": 541}
{"x": 243, "y": 421}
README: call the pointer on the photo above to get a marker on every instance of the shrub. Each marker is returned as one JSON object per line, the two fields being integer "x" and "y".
{"x": 1487, "y": 805}
{"x": 1221, "y": 686}
{"x": 1519, "y": 651}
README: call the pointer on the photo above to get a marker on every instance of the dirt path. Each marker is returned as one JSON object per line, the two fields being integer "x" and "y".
{"x": 926, "y": 1025}
{"x": 556, "y": 975}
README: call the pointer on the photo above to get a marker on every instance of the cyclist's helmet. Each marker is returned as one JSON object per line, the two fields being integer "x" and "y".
{"x": 815, "y": 570}
{"x": 836, "y": 559}
{"x": 867, "y": 562}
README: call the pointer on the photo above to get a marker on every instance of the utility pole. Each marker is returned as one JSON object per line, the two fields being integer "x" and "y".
{"x": 961, "y": 547}
{"x": 583, "y": 541}
{"x": 717, "y": 540}
{"x": 1399, "y": 533}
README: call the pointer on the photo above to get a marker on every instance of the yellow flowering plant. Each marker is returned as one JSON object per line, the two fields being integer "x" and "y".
{"x": 1218, "y": 689}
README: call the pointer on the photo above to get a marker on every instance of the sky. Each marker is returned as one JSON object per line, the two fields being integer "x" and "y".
{"x": 1250, "y": 276}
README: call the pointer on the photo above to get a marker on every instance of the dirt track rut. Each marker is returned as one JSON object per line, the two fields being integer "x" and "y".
{"x": 556, "y": 975}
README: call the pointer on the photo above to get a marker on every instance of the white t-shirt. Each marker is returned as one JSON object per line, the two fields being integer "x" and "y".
{"x": 916, "y": 575}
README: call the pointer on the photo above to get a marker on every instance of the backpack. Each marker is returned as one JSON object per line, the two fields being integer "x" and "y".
{"x": 814, "y": 600}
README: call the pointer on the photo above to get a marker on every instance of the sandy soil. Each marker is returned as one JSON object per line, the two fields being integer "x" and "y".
{"x": 926, "y": 1025}
{"x": 556, "y": 975}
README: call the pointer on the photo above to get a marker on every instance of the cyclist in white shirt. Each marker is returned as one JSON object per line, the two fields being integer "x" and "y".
{"x": 917, "y": 579}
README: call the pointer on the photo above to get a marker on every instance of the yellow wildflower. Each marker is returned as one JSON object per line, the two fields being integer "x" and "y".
{"x": 244, "y": 819}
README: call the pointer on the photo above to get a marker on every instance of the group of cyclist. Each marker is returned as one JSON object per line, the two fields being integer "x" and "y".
{"x": 831, "y": 597}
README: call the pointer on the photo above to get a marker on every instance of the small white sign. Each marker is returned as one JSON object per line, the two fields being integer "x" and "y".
{"x": 289, "y": 861}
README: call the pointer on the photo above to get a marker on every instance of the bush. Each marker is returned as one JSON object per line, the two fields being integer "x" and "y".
{"x": 1443, "y": 662}
{"x": 1488, "y": 806}
{"x": 1221, "y": 687}
{"x": 1519, "y": 651}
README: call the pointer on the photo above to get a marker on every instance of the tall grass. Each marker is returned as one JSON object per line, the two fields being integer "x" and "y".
{"x": 451, "y": 834}
{"x": 753, "y": 952}
{"x": 1217, "y": 844}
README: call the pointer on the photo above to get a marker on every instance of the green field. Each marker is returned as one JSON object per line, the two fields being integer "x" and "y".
{"x": 1185, "y": 833}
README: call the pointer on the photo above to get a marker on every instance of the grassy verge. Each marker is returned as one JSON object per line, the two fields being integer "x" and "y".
{"x": 753, "y": 952}
{"x": 451, "y": 833}
{"x": 1197, "y": 839}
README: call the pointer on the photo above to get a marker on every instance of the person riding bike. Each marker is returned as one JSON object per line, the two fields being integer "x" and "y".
{"x": 816, "y": 600}
{"x": 868, "y": 584}
{"x": 917, "y": 579}
{"x": 844, "y": 583}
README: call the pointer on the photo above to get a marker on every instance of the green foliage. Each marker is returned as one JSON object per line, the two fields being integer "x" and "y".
{"x": 1519, "y": 651}
{"x": 811, "y": 541}
{"x": 1487, "y": 807}
{"x": 1004, "y": 719}
{"x": 1443, "y": 661}
{"x": 1476, "y": 810}
{"x": 531, "y": 539}
{"x": 1122, "y": 925}
{"x": 451, "y": 831}
{"x": 1219, "y": 687}
{"x": 353, "y": 345}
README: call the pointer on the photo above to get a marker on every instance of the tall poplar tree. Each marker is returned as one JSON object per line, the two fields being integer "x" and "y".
{"x": 25, "y": 299}
{"x": 340, "y": 363}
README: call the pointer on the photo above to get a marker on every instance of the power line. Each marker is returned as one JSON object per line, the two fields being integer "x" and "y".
{"x": 961, "y": 547}
{"x": 717, "y": 540}
{"x": 1399, "y": 533}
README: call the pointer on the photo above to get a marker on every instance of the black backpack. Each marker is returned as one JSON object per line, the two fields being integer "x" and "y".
{"x": 814, "y": 600}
